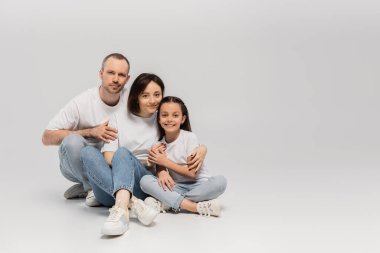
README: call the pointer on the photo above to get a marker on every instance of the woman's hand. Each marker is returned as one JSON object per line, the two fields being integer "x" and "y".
{"x": 157, "y": 154}
{"x": 196, "y": 158}
{"x": 160, "y": 147}
{"x": 165, "y": 180}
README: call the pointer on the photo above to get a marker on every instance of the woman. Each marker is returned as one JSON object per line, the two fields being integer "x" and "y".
{"x": 115, "y": 178}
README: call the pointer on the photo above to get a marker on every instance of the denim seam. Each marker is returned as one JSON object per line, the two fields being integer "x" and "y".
{"x": 122, "y": 187}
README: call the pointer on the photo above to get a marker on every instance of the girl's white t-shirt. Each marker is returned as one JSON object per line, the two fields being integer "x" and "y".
{"x": 178, "y": 151}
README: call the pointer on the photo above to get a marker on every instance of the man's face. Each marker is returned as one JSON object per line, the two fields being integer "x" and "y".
{"x": 114, "y": 75}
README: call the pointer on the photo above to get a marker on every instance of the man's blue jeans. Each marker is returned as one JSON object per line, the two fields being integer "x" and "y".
{"x": 125, "y": 173}
{"x": 70, "y": 164}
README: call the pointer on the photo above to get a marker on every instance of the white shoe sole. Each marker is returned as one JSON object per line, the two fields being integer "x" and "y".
{"x": 114, "y": 231}
{"x": 75, "y": 191}
{"x": 148, "y": 217}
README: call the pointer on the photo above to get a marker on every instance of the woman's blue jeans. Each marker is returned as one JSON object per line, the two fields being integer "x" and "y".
{"x": 125, "y": 173}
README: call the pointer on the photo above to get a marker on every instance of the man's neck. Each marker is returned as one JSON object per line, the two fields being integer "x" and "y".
{"x": 108, "y": 98}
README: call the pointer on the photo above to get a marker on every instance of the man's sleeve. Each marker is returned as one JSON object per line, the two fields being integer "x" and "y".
{"x": 67, "y": 118}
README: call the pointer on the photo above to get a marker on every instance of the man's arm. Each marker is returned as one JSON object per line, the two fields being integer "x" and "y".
{"x": 102, "y": 132}
{"x": 55, "y": 137}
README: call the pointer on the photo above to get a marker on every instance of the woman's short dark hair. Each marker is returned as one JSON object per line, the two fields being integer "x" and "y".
{"x": 170, "y": 99}
{"x": 138, "y": 87}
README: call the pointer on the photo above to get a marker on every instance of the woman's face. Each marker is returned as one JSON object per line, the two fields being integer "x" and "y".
{"x": 149, "y": 99}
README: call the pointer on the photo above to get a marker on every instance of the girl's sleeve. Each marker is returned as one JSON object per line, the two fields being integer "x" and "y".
{"x": 192, "y": 143}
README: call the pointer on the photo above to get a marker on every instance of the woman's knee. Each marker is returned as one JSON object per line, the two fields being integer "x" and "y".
{"x": 122, "y": 152}
{"x": 88, "y": 152}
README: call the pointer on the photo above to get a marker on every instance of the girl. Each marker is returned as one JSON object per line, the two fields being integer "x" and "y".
{"x": 190, "y": 189}
{"x": 115, "y": 175}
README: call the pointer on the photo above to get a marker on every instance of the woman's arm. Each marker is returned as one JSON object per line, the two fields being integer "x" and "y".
{"x": 108, "y": 155}
{"x": 161, "y": 159}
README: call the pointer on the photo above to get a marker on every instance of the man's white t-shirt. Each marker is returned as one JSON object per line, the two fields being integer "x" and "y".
{"x": 178, "y": 151}
{"x": 86, "y": 110}
{"x": 135, "y": 133}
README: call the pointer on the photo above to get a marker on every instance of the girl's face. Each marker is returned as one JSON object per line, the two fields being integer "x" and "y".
{"x": 150, "y": 99}
{"x": 171, "y": 117}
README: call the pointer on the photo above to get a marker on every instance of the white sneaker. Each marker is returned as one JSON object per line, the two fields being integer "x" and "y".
{"x": 117, "y": 222}
{"x": 156, "y": 205}
{"x": 145, "y": 214}
{"x": 75, "y": 191}
{"x": 210, "y": 207}
{"x": 91, "y": 200}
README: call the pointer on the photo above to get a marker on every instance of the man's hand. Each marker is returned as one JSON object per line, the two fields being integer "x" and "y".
{"x": 104, "y": 132}
{"x": 165, "y": 180}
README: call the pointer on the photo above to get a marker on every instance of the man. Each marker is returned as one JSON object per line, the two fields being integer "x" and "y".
{"x": 84, "y": 121}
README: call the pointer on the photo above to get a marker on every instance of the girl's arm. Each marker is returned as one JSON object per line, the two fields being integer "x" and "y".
{"x": 161, "y": 159}
{"x": 164, "y": 179}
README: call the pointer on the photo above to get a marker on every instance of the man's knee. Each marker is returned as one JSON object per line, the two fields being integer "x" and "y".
{"x": 73, "y": 142}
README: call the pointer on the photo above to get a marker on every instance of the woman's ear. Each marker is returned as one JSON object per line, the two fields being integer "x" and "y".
{"x": 183, "y": 119}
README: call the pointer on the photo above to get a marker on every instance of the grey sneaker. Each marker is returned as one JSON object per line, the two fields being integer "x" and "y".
{"x": 156, "y": 205}
{"x": 91, "y": 200}
{"x": 145, "y": 214}
{"x": 117, "y": 222}
{"x": 210, "y": 207}
{"x": 75, "y": 191}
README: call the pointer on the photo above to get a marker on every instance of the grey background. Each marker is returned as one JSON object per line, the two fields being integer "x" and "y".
{"x": 284, "y": 93}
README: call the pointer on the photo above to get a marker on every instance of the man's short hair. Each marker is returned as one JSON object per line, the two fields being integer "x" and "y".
{"x": 116, "y": 56}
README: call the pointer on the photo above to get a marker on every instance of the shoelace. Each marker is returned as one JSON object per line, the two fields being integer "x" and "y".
{"x": 159, "y": 206}
{"x": 138, "y": 207}
{"x": 204, "y": 208}
{"x": 115, "y": 213}
{"x": 90, "y": 195}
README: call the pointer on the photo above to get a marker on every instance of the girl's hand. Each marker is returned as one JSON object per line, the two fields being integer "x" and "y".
{"x": 165, "y": 180}
{"x": 196, "y": 158}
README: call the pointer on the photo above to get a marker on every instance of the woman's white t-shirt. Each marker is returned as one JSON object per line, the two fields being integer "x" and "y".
{"x": 135, "y": 133}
